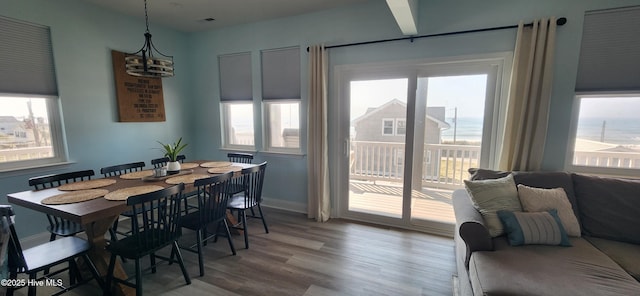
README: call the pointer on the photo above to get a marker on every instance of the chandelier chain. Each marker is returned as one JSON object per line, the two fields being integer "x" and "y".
{"x": 146, "y": 16}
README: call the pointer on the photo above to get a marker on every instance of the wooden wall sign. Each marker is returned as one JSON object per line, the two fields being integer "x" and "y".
{"x": 140, "y": 99}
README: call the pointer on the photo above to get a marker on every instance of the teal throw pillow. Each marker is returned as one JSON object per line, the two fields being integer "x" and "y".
{"x": 534, "y": 228}
{"x": 490, "y": 196}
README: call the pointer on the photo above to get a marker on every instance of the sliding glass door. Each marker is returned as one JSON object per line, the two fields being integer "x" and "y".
{"x": 411, "y": 133}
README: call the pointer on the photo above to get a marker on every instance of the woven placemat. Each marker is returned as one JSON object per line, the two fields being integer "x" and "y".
{"x": 215, "y": 164}
{"x": 89, "y": 184}
{"x": 124, "y": 193}
{"x": 188, "y": 165}
{"x": 74, "y": 196}
{"x": 223, "y": 170}
{"x": 137, "y": 175}
{"x": 187, "y": 179}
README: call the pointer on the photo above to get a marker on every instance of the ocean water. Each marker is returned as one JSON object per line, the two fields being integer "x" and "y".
{"x": 624, "y": 131}
{"x": 621, "y": 131}
{"x": 467, "y": 129}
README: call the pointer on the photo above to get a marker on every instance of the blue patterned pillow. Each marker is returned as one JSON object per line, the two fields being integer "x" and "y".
{"x": 537, "y": 228}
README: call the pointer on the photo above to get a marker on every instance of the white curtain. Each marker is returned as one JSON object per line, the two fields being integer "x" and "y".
{"x": 529, "y": 96}
{"x": 319, "y": 205}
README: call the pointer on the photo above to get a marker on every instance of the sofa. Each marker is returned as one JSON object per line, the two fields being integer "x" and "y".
{"x": 603, "y": 259}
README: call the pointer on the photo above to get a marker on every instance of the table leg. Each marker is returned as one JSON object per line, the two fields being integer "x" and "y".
{"x": 100, "y": 256}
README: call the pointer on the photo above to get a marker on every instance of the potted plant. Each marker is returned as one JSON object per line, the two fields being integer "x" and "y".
{"x": 171, "y": 151}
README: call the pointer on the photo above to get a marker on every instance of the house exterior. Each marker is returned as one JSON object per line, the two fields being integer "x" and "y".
{"x": 13, "y": 132}
{"x": 387, "y": 124}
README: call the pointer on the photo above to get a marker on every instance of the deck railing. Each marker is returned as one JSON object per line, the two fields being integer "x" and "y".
{"x": 7, "y": 155}
{"x": 629, "y": 160}
{"x": 443, "y": 166}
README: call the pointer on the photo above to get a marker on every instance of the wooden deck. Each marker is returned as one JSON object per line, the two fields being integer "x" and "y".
{"x": 385, "y": 198}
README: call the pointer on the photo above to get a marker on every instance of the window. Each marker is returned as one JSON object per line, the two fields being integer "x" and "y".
{"x": 607, "y": 133}
{"x": 281, "y": 99}
{"x": 394, "y": 127}
{"x": 387, "y": 127}
{"x": 236, "y": 101}
{"x": 283, "y": 121}
{"x": 30, "y": 123}
{"x": 401, "y": 126}
{"x": 238, "y": 124}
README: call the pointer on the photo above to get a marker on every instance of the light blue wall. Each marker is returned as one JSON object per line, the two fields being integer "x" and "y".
{"x": 83, "y": 35}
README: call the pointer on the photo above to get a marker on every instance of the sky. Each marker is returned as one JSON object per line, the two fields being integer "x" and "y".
{"x": 17, "y": 107}
{"x": 467, "y": 93}
{"x": 624, "y": 107}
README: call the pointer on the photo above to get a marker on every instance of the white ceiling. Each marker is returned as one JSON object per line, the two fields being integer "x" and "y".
{"x": 189, "y": 15}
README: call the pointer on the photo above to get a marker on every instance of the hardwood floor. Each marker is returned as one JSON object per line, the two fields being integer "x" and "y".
{"x": 302, "y": 257}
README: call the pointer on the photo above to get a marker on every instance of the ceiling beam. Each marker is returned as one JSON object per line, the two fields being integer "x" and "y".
{"x": 406, "y": 14}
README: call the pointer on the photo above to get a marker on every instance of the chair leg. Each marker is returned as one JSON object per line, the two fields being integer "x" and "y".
{"x": 244, "y": 228}
{"x": 32, "y": 288}
{"x": 138, "y": 278}
{"x": 10, "y": 289}
{"x": 226, "y": 228}
{"x": 74, "y": 273}
{"x": 52, "y": 237}
{"x": 152, "y": 259}
{"x": 181, "y": 262}
{"x": 112, "y": 265}
{"x": 94, "y": 271}
{"x": 199, "y": 243}
{"x": 264, "y": 223}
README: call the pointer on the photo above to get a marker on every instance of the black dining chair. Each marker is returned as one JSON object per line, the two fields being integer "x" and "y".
{"x": 44, "y": 256}
{"x": 237, "y": 185}
{"x": 117, "y": 170}
{"x": 240, "y": 157}
{"x": 250, "y": 198}
{"x": 212, "y": 198}
{"x": 156, "y": 225}
{"x": 58, "y": 226}
{"x": 121, "y": 169}
{"x": 159, "y": 162}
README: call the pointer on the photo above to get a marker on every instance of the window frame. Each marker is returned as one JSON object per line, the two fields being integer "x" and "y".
{"x": 397, "y": 125}
{"x": 393, "y": 126}
{"x": 225, "y": 126}
{"x": 267, "y": 127}
{"x": 573, "y": 132}
{"x": 58, "y": 140}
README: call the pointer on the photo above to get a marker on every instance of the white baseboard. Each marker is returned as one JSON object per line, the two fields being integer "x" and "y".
{"x": 286, "y": 205}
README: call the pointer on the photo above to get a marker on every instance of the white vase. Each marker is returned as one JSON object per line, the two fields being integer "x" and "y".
{"x": 173, "y": 167}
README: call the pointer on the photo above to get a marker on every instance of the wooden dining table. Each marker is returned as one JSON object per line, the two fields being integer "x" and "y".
{"x": 98, "y": 215}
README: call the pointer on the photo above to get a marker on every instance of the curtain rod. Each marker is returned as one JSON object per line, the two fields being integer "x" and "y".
{"x": 560, "y": 22}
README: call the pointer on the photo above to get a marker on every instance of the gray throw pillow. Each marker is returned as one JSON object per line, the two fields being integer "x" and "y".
{"x": 491, "y": 196}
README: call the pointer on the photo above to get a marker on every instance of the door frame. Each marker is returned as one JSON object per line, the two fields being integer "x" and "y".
{"x": 340, "y": 113}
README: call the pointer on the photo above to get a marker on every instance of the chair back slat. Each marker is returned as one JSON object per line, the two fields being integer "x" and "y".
{"x": 253, "y": 179}
{"x": 157, "y": 217}
{"x": 121, "y": 169}
{"x": 240, "y": 157}
{"x": 213, "y": 197}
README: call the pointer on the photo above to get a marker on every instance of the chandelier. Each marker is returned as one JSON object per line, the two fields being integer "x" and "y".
{"x": 144, "y": 62}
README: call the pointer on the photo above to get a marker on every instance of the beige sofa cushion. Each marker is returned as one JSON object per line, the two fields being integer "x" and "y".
{"x": 625, "y": 254}
{"x": 541, "y": 199}
{"x": 548, "y": 270}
